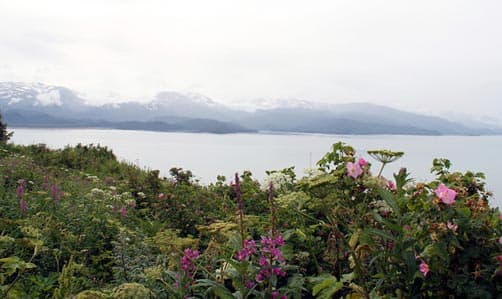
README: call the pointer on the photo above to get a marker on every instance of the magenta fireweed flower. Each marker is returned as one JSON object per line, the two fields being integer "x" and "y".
{"x": 187, "y": 261}
{"x": 54, "y": 192}
{"x": 271, "y": 259}
{"x": 424, "y": 268}
{"x": 24, "y": 207}
{"x": 187, "y": 266}
{"x": 248, "y": 250}
{"x": 277, "y": 295}
{"x": 445, "y": 194}
{"x": 249, "y": 284}
{"x": 362, "y": 162}
{"x": 354, "y": 170}
{"x": 20, "y": 190}
{"x": 45, "y": 184}
{"x": 123, "y": 212}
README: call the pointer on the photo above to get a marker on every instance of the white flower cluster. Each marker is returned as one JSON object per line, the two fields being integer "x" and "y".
{"x": 279, "y": 181}
{"x": 381, "y": 206}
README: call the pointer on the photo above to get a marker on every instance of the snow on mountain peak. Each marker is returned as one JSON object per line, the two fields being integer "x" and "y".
{"x": 271, "y": 104}
{"x": 52, "y": 97}
{"x": 41, "y": 94}
{"x": 170, "y": 97}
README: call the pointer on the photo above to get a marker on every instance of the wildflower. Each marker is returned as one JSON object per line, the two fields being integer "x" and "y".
{"x": 362, "y": 162}
{"x": 500, "y": 240}
{"x": 354, "y": 170}
{"x": 161, "y": 196}
{"x": 452, "y": 226}
{"x": 54, "y": 192}
{"x": 445, "y": 194}
{"x": 276, "y": 294}
{"x": 248, "y": 250}
{"x": 24, "y": 207}
{"x": 279, "y": 180}
{"x": 391, "y": 185}
{"x": 187, "y": 260}
{"x": 271, "y": 258}
{"x": 20, "y": 189}
{"x": 500, "y": 216}
{"x": 123, "y": 212}
{"x": 424, "y": 268}
{"x": 132, "y": 204}
{"x": 45, "y": 184}
{"x": 249, "y": 284}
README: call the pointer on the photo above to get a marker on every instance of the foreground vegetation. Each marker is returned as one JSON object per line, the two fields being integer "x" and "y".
{"x": 76, "y": 223}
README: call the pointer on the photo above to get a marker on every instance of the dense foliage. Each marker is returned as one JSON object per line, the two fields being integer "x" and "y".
{"x": 77, "y": 223}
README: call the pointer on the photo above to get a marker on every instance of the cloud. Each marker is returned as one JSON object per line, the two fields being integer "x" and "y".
{"x": 414, "y": 55}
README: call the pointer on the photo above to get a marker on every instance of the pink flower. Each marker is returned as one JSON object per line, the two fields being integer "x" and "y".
{"x": 424, "y": 268}
{"x": 24, "y": 207}
{"x": 123, "y": 212}
{"x": 362, "y": 162}
{"x": 452, "y": 226}
{"x": 445, "y": 194}
{"x": 500, "y": 216}
{"x": 354, "y": 170}
{"x": 161, "y": 196}
{"x": 54, "y": 192}
{"x": 248, "y": 250}
{"x": 20, "y": 190}
{"x": 45, "y": 184}
{"x": 500, "y": 240}
{"x": 391, "y": 185}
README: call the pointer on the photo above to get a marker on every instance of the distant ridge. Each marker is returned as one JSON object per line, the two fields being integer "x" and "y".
{"x": 40, "y": 105}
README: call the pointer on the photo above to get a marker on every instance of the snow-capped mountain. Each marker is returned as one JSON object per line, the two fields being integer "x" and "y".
{"x": 271, "y": 104}
{"x": 36, "y": 104}
{"x": 42, "y": 97}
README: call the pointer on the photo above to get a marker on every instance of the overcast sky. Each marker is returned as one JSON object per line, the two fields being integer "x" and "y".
{"x": 432, "y": 56}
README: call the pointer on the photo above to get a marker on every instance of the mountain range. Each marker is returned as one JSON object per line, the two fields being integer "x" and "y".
{"x": 41, "y": 105}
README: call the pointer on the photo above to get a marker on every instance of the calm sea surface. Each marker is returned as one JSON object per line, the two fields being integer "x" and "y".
{"x": 208, "y": 155}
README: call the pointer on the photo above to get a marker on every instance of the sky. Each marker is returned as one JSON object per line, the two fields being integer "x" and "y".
{"x": 439, "y": 56}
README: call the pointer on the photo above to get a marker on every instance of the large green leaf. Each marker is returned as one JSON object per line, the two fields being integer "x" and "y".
{"x": 327, "y": 287}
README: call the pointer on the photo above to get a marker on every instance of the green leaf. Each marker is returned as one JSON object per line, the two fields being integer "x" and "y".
{"x": 212, "y": 287}
{"x": 381, "y": 233}
{"x": 388, "y": 197}
{"x": 327, "y": 287}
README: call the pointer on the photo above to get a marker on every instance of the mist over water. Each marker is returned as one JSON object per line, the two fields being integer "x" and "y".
{"x": 209, "y": 155}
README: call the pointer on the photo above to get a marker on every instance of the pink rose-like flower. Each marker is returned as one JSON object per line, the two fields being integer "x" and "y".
{"x": 362, "y": 162}
{"x": 445, "y": 194}
{"x": 354, "y": 170}
{"x": 424, "y": 268}
{"x": 391, "y": 185}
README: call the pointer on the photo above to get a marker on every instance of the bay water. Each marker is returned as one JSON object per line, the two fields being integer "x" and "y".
{"x": 209, "y": 155}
